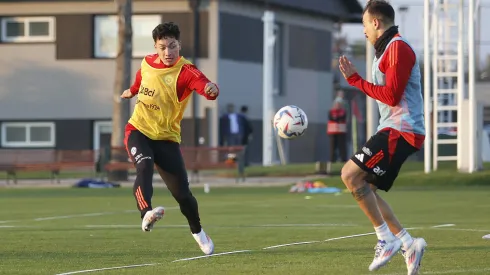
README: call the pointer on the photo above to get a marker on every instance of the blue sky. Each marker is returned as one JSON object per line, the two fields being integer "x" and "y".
{"x": 412, "y": 29}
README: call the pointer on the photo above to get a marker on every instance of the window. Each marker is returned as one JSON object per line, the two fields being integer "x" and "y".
{"x": 36, "y": 134}
{"x": 105, "y": 42}
{"x": 28, "y": 29}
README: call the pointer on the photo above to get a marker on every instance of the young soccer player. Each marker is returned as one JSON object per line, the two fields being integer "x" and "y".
{"x": 396, "y": 87}
{"x": 163, "y": 85}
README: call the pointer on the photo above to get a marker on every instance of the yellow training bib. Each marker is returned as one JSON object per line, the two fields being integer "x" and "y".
{"x": 158, "y": 112}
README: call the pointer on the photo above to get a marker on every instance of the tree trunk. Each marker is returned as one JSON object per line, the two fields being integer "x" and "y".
{"x": 120, "y": 113}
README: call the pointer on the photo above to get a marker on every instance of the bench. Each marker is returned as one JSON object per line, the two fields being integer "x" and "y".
{"x": 198, "y": 159}
{"x": 13, "y": 161}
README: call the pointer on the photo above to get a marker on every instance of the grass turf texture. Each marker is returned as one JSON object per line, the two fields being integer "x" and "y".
{"x": 409, "y": 169}
{"x": 236, "y": 219}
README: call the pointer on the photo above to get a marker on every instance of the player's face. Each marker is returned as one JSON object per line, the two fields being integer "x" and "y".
{"x": 371, "y": 27}
{"x": 168, "y": 49}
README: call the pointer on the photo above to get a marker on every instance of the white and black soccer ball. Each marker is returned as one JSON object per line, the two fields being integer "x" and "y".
{"x": 290, "y": 122}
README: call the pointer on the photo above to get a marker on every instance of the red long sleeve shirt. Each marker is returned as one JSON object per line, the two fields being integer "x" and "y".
{"x": 396, "y": 64}
{"x": 190, "y": 79}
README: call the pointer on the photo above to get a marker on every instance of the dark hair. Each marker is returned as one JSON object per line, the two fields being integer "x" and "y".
{"x": 167, "y": 29}
{"x": 382, "y": 10}
{"x": 244, "y": 109}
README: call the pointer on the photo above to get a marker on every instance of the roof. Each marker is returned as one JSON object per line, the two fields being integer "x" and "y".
{"x": 348, "y": 11}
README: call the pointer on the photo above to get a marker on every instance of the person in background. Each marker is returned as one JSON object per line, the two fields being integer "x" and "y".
{"x": 246, "y": 125}
{"x": 230, "y": 130}
{"x": 337, "y": 132}
{"x": 340, "y": 98}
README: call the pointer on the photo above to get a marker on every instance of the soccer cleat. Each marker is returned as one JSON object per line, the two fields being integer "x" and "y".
{"x": 413, "y": 255}
{"x": 205, "y": 242}
{"x": 151, "y": 217}
{"x": 383, "y": 252}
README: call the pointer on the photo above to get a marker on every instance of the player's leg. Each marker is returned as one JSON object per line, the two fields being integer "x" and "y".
{"x": 141, "y": 153}
{"x": 412, "y": 248}
{"x": 366, "y": 163}
{"x": 171, "y": 167}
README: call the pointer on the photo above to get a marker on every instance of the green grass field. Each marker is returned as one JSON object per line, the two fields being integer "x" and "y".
{"x": 53, "y": 231}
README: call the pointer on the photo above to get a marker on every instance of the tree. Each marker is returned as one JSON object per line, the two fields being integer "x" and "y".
{"x": 120, "y": 112}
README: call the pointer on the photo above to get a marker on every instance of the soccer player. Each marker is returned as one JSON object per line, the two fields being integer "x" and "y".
{"x": 397, "y": 89}
{"x": 164, "y": 84}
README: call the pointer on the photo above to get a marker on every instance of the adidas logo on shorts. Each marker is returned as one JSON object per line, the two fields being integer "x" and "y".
{"x": 360, "y": 157}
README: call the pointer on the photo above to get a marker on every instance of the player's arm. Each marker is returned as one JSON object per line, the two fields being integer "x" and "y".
{"x": 197, "y": 81}
{"x": 136, "y": 84}
{"x": 397, "y": 65}
{"x": 133, "y": 90}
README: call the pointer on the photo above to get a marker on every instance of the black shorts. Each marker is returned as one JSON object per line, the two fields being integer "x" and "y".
{"x": 165, "y": 154}
{"x": 382, "y": 156}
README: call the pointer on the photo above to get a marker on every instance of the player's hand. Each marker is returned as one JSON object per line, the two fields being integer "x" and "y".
{"x": 346, "y": 67}
{"x": 211, "y": 89}
{"x": 127, "y": 94}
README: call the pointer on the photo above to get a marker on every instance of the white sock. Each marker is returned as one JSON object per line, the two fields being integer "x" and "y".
{"x": 384, "y": 233}
{"x": 406, "y": 239}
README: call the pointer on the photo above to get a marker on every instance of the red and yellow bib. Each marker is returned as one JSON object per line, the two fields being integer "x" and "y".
{"x": 158, "y": 112}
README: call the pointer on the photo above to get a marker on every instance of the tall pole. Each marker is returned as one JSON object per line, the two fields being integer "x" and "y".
{"x": 461, "y": 85}
{"x": 194, "y": 4}
{"x": 427, "y": 86}
{"x": 268, "y": 86}
{"x": 120, "y": 111}
{"x": 435, "y": 83}
{"x": 478, "y": 36}
{"x": 471, "y": 84}
{"x": 371, "y": 110}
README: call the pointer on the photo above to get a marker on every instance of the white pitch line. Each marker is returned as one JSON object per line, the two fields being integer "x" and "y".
{"x": 466, "y": 271}
{"x": 231, "y": 226}
{"x": 240, "y": 251}
{"x": 304, "y": 225}
{"x": 132, "y": 226}
{"x": 443, "y": 225}
{"x": 74, "y": 216}
{"x": 212, "y": 255}
{"x": 106, "y": 268}
{"x": 464, "y": 229}
{"x": 290, "y": 244}
{"x": 79, "y": 215}
{"x": 343, "y": 237}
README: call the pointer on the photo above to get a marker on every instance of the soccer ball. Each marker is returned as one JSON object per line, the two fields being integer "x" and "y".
{"x": 290, "y": 122}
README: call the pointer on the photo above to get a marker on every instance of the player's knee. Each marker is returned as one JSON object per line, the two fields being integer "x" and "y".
{"x": 352, "y": 178}
{"x": 347, "y": 175}
{"x": 183, "y": 195}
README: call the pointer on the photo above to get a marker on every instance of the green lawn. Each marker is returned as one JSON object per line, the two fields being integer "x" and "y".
{"x": 289, "y": 170}
{"x": 51, "y": 231}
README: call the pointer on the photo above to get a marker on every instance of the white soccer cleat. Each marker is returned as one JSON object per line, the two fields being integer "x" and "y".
{"x": 205, "y": 242}
{"x": 151, "y": 217}
{"x": 383, "y": 252}
{"x": 413, "y": 255}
